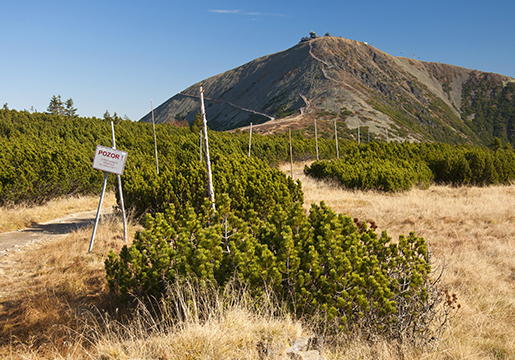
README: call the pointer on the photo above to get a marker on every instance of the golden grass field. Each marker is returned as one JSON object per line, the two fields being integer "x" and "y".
{"x": 49, "y": 291}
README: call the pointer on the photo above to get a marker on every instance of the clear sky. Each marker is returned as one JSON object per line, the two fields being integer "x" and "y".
{"x": 118, "y": 55}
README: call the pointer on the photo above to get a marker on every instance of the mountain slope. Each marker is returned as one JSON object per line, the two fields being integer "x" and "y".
{"x": 332, "y": 78}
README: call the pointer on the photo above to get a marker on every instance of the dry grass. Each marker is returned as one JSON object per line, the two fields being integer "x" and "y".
{"x": 231, "y": 331}
{"x": 46, "y": 289}
{"x": 54, "y": 303}
{"x": 472, "y": 230}
{"x": 48, "y": 292}
{"x": 22, "y": 216}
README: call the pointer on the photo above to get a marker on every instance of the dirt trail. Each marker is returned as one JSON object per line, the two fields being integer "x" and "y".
{"x": 16, "y": 240}
{"x": 329, "y": 66}
{"x": 228, "y": 103}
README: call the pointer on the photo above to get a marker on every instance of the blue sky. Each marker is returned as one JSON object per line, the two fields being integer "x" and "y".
{"x": 118, "y": 55}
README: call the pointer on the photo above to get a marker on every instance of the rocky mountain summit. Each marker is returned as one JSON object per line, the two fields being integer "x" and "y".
{"x": 355, "y": 85}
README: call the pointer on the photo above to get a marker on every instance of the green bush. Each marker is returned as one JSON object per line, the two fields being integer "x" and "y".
{"x": 396, "y": 167}
{"x": 372, "y": 173}
{"x": 317, "y": 263}
{"x": 40, "y": 161}
{"x": 44, "y": 156}
{"x": 474, "y": 166}
{"x": 250, "y": 183}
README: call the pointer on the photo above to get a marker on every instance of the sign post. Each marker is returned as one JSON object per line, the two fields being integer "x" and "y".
{"x": 120, "y": 191}
{"x": 108, "y": 160}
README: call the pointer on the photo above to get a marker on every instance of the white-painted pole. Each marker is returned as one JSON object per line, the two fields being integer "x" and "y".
{"x": 316, "y": 138}
{"x": 155, "y": 142}
{"x": 336, "y": 139}
{"x": 291, "y": 155}
{"x": 200, "y": 137}
{"x": 250, "y": 138}
{"x": 98, "y": 212}
{"x": 210, "y": 189}
{"x": 120, "y": 192}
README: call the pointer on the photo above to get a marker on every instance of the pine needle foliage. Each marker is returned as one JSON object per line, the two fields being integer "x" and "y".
{"x": 317, "y": 263}
{"x": 400, "y": 166}
{"x": 45, "y": 156}
{"x": 250, "y": 183}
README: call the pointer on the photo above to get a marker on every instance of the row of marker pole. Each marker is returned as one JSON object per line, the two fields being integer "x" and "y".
{"x": 289, "y": 136}
{"x": 316, "y": 142}
{"x": 203, "y": 136}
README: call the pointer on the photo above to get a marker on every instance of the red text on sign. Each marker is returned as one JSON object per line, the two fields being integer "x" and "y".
{"x": 108, "y": 154}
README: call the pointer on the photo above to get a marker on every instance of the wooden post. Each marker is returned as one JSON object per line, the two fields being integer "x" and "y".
{"x": 359, "y": 138}
{"x": 120, "y": 192}
{"x": 291, "y": 155}
{"x": 316, "y": 137}
{"x": 336, "y": 139}
{"x": 250, "y": 138}
{"x": 210, "y": 190}
{"x": 155, "y": 143}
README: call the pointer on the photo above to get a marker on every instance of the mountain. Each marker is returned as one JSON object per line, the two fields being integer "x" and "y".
{"x": 335, "y": 79}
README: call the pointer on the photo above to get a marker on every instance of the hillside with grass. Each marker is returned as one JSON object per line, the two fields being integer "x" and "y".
{"x": 354, "y": 84}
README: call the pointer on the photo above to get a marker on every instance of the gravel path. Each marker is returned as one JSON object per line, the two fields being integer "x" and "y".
{"x": 16, "y": 240}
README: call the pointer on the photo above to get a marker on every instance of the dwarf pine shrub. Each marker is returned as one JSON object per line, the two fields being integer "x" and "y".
{"x": 372, "y": 173}
{"x": 250, "y": 183}
{"x": 398, "y": 167}
{"x": 317, "y": 263}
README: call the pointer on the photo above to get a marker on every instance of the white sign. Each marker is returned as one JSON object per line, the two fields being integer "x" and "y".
{"x": 109, "y": 160}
